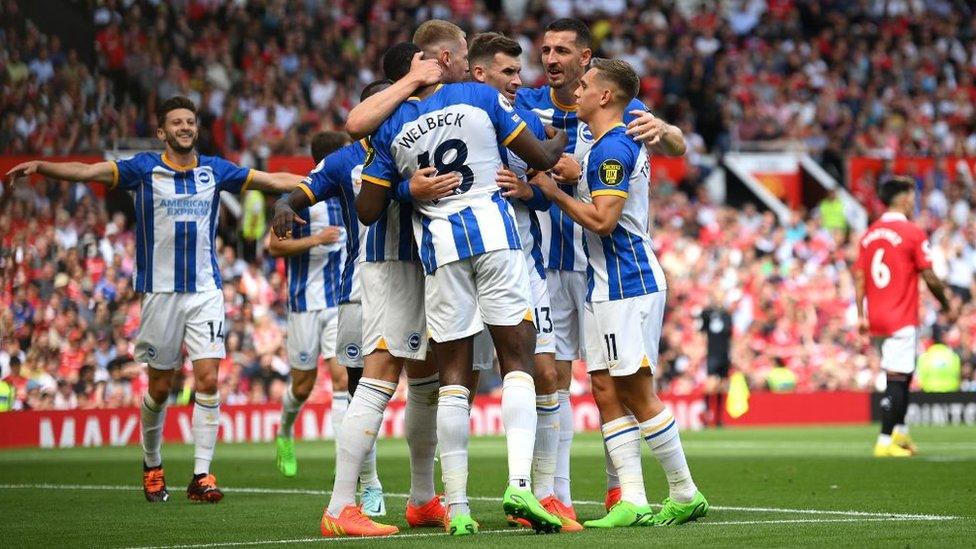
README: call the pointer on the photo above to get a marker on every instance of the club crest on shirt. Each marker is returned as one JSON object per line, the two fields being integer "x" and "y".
{"x": 585, "y": 133}
{"x": 611, "y": 172}
{"x": 203, "y": 177}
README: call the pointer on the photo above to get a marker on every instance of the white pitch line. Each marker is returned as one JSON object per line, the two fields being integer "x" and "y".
{"x": 326, "y": 540}
{"x": 309, "y": 492}
{"x": 506, "y": 532}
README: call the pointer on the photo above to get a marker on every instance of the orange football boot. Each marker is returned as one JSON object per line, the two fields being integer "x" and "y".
{"x": 565, "y": 514}
{"x": 430, "y": 514}
{"x": 352, "y": 522}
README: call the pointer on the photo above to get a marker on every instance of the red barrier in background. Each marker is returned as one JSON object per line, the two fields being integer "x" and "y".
{"x": 259, "y": 422}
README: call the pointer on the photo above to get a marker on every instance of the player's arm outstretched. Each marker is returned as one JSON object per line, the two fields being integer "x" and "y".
{"x": 102, "y": 172}
{"x": 600, "y": 217}
{"x": 289, "y": 247}
{"x": 367, "y": 116}
{"x": 277, "y": 182}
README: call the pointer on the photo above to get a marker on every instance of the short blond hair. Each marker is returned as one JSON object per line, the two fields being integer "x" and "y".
{"x": 436, "y": 31}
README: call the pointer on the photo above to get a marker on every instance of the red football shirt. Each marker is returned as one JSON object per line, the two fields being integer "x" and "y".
{"x": 891, "y": 255}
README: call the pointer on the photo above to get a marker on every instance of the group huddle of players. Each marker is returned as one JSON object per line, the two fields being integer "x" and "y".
{"x": 471, "y": 219}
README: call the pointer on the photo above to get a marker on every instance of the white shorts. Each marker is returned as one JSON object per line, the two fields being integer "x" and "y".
{"x": 899, "y": 351}
{"x": 393, "y": 308}
{"x": 349, "y": 336}
{"x": 545, "y": 341}
{"x": 463, "y": 296}
{"x": 624, "y": 335}
{"x": 170, "y": 320}
{"x": 309, "y": 334}
{"x": 567, "y": 294}
{"x": 483, "y": 351}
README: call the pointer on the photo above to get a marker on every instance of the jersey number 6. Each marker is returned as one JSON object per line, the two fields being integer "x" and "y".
{"x": 457, "y": 164}
{"x": 880, "y": 272}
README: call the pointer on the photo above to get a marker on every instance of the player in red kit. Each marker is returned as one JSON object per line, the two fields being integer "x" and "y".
{"x": 891, "y": 256}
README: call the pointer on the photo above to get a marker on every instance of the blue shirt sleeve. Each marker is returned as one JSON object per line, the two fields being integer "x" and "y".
{"x": 634, "y": 105}
{"x": 129, "y": 172}
{"x": 500, "y": 110}
{"x": 231, "y": 177}
{"x": 538, "y": 202}
{"x": 320, "y": 183}
{"x": 609, "y": 166}
{"x": 379, "y": 167}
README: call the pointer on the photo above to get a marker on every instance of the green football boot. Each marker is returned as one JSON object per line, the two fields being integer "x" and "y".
{"x": 521, "y": 503}
{"x": 622, "y": 515}
{"x": 462, "y": 525}
{"x": 674, "y": 513}
{"x": 285, "y": 450}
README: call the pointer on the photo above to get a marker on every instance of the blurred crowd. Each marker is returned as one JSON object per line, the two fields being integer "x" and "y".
{"x": 873, "y": 77}
{"x": 881, "y": 77}
{"x": 68, "y": 314}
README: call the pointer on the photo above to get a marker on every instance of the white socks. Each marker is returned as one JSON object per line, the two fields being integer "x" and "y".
{"x": 290, "y": 406}
{"x": 453, "y": 430}
{"x": 153, "y": 417}
{"x": 340, "y": 403}
{"x": 613, "y": 481}
{"x": 357, "y": 438}
{"x": 206, "y": 421}
{"x": 421, "y": 430}
{"x": 900, "y": 429}
{"x": 566, "y": 428}
{"x": 661, "y": 434}
{"x": 546, "y": 445}
{"x": 519, "y": 419}
{"x": 621, "y": 437}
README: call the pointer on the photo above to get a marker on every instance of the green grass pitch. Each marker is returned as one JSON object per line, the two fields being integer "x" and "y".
{"x": 767, "y": 487}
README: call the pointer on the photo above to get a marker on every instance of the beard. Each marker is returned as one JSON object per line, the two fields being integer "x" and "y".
{"x": 174, "y": 144}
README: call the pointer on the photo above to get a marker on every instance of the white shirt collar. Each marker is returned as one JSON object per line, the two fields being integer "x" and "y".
{"x": 893, "y": 216}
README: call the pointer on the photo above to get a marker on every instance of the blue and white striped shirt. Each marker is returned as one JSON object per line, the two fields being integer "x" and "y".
{"x": 315, "y": 276}
{"x": 562, "y": 239}
{"x": 456, "y": 129}
{"x": 176, "y": 218}
{"x": 621, "y": 265}
{"x": 337, "y": 176}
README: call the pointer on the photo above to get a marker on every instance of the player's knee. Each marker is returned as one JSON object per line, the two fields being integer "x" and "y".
{"x": 546, "y": 379}
{"x": 205, "y": 382}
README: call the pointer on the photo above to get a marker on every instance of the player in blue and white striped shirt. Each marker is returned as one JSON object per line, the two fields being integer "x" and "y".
{"x": 471, "y": 251}
{"x": 494, "y": 60}
{"x": 624, "y": 311}
{"x": 314, "y": 261}
{"x": 177, "y": 200}
{"x": 565, "y": 56}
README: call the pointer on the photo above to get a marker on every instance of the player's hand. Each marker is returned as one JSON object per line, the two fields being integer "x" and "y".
{"x": 329, "y": 235}
{"x": 284, "y": 216}
{"x": 567, "y": 170}
{"x": 426, "y": 185}
{"x": 545, "y": 183}
{"x": 647, "y": 128}
{"x": 23, "y": 169}
{"x": 512, "y": 186}
{"x": 952, "y": 315}
{"x": 862, "y": 326}
{"x": 424, "y": 72}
